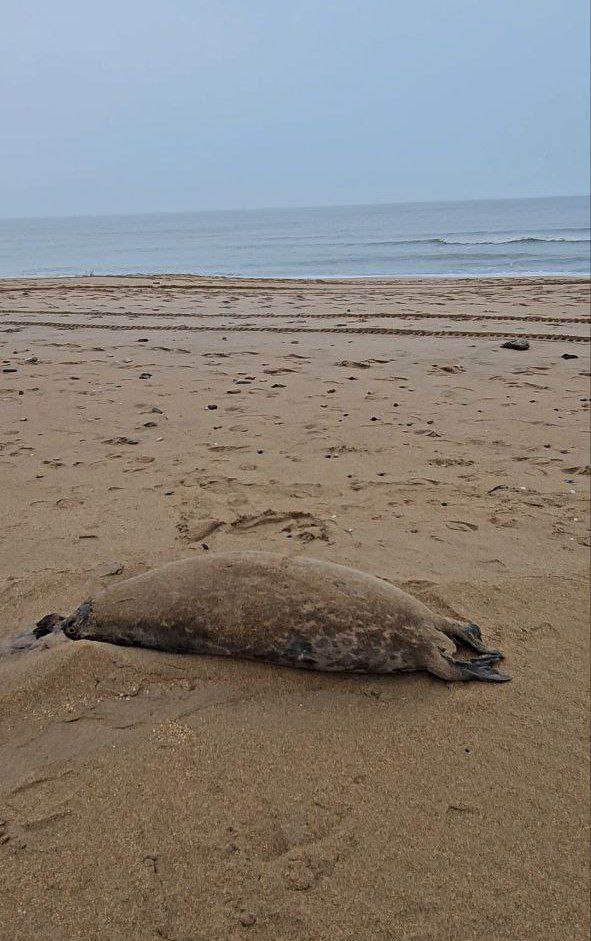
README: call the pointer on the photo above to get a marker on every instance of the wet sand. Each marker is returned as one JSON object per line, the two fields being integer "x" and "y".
{"x": 379, "y": 424}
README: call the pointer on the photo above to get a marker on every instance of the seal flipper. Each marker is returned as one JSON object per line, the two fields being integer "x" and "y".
{"x": 481, "y": 668}
{"x": 469, "y": 635}
{"x": 47, "y": 625}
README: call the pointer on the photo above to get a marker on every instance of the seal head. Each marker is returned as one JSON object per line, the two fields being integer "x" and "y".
{"x": 74, "y": 626}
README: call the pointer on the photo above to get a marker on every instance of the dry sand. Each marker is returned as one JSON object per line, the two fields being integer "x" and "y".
{"x": 378, "y": 424}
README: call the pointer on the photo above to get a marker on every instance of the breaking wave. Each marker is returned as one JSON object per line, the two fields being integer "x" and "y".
{"x": 521, "y": 239}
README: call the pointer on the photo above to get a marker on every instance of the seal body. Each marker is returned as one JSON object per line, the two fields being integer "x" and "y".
{"x": 295, "y": 612}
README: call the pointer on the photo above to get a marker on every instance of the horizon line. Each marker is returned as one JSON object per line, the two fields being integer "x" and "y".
{"x": 179, "y": 212}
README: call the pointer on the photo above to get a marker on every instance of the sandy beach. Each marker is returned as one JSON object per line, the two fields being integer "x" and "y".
{"x": 375, "y": 423}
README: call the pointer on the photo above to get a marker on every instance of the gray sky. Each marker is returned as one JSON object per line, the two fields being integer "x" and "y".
{"x": 148, "y": 105}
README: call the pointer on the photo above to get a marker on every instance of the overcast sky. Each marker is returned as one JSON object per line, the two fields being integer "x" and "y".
{"x": 149, "y": 105}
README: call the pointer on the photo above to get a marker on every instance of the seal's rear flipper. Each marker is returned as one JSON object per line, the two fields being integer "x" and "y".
{"x": 481, "y": 668}
{"x": 469, "y": 635}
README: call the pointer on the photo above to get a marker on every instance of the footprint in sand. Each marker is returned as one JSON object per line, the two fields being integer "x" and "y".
{"x": 298, "y": 524}
{"x": 195, "y": 531}
{"x": 304, "y": 526}
{"x": 461, "y": 526}
{"x": 68, "y": 503}
{"x": 451, "y": 369}
{"x": 138, "y": 464}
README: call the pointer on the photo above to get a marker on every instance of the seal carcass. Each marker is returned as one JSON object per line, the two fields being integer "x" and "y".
{"x": 297, "y": 612}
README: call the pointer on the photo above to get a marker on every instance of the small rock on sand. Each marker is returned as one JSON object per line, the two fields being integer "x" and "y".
{"x": 516, "y": 344}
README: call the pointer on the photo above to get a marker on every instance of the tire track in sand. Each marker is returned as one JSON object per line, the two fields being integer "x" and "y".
{"x": 361, "y": 331}
{"x": 199, "y": 315}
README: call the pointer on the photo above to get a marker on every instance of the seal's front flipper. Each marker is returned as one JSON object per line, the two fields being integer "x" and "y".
{"x": 469, "y": 635}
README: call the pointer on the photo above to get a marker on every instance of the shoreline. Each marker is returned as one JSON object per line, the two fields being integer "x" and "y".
{"x": 210, "y": 280}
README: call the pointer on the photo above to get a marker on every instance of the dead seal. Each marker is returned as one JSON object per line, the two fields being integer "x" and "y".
{"x": 296, "y": 612}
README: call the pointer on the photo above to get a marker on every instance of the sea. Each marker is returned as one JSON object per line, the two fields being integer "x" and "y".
{"x": 480, "y": 238}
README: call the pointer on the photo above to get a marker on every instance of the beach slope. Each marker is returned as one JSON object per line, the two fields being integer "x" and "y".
{"x": 379, "y": 424}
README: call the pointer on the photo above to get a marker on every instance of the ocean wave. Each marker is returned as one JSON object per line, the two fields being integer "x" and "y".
{"x": 521, "y": 239}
